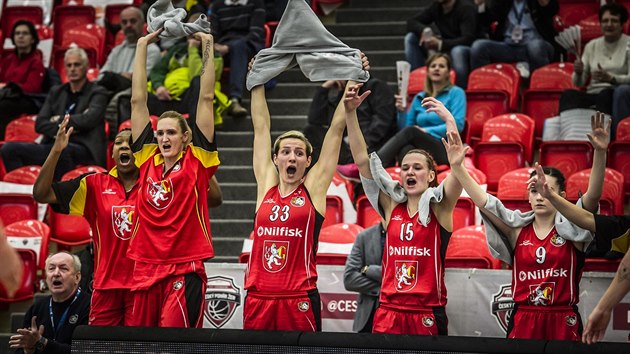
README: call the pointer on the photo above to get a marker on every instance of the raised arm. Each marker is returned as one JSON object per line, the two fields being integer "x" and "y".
{"x": 599, "y": 138}
{"x": 205, "y": 106}
{"x": 452, "y": 187}
{"x": 456, "y": 152}
{"x": 599, "y": 318}
{"x": 42, "y": 189}
{"x": 139, "y": 109}
{"x": 319, "y": 177}
{"x": 264, "y": 169}
{"x": 580, "y": 217}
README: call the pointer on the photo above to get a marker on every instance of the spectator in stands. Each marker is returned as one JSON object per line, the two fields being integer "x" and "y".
{"x": 239, "y": 29}
{"x": 537, "y": 241}
{"x": 376, "y": 116}
{"x": 172, "y": 236}
{"x": 21, "y": 73}
{"x": 422, "y": 128}
{"x": 10, "y": 265}
{"x": 606, "y": 63}
{"x": 84, "y": 102}
{"x": 274, "y": 9}
{"x": 417, "y": 215}
{"x": 524, "y": 34}
{"x": 115, "y": 75}
{"x": 363, "y": 274}
{"x": 606, "y": 228}
{"x": 51, "y": 320}
{"x": 457, "y": 31}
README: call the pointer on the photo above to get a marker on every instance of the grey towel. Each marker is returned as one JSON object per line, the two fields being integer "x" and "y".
{"x": 498, "y": 243}
{"x": 162, "y": 14}
{"x": 383, "y": 182}
{"x": 303, "y": 40}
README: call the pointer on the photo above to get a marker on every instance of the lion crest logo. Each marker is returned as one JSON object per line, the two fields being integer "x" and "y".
{"x": 406, "y": 275}
{"x": 159, "y": 193}
{"x": 275, "y": 255}
{"x": 122, "y": 221}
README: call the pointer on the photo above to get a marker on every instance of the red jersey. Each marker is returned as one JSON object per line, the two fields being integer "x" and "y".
{"x": 286, "y": 230}
{"x": 546, "y": 272}
{"x": 413, "y": 261}
{"x": 173, "y": 225}
{"x": 101, "y": 198}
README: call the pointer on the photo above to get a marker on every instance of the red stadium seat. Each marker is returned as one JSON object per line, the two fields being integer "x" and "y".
{"x": 66, "y": 17}
{"x": 112, "y": 17}
{"x": 601, "y": 265}
{"x": 81, "y": 171}
{"x": 540, "y": 105}
{"x": 124, "y": 125}
{"x": 554, "y": 76}
{"x": 611, "y": 201}
{"x": 15, "y": 207}
{"x": 30, "y": 234}
{"x": 572, "y": 11}
{"x": 23, "y": 175}
{"x": 22, "y": 129}
{"x": 334, "y": 210}
{"x": 337, "y": 180}
{"x": 86, "y": 36}
{"x": 335, "y": 243}
{"x": 468, "y": 248}
{"x": 567, "y": 156}
{"x": 11, "y": 14}
{"x": 394, "y": 172}
{"x": 499, "y": 77}
{"x": 619, "y": 159}
{"x": 29, "y": 282}
{"x": 417, "y": 78}
{"x": 464, "y": 213}
{"x": 512, "y": 127}
{"x": 366, "y": 215}
{"x": 481, "y": 106}
{"x": 622, "y": 132}
{"x": 498, "y": 158}
{"x": 512, "y": 190}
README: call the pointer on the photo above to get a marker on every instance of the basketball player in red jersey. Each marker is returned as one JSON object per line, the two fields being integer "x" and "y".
{"x": 171, "y": 237}
{"x": 110, "y": 216}
{"x": 547, "y": 268}
{"x": 281, "y": 277}
{"x": 413, "y": 294}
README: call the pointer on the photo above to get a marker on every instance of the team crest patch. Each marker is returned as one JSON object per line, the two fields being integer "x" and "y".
{"x": 73, "y": 319}
{"x": 502, "y": 306}
{"x": 223, "y": 297}
{"x": 406, "y": 275}
{"x": 303, "y": 306}
{"x": 177, "y": 167}
{"x": 298, "y": 201}
{"x": 177, "y": 285}
{"x": 160, "y": 193}
{"x": 122, "y": 221}
{"x": 557, "y": 240}
{"x": 427, "y": 321}
{"x": 275, "y": 255}
{"x": 541, "y": 294}
{"x": 571, "y": 320}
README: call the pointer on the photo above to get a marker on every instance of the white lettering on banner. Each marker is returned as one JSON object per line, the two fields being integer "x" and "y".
{"x": 278, "y": 231}
{"x": 342, "y": 306}
{"x": 409, "y": 251}
{"x": 542, "y": 274}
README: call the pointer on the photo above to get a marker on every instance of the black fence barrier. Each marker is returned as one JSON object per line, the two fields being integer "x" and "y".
{"x": 231, "y": 341}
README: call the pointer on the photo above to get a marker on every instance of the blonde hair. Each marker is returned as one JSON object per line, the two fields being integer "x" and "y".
{"x": 293, "y": 134}
{"x": 181, "y": 121}
{"x": 428, "y": 84}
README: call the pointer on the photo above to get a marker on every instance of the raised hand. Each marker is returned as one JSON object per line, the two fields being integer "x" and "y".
{"x": 352, "y": 99}
{"x": 365, "y": 62}
{"x": 63, "y": 134}
{"x": 434, "y": 105}
{"x": 455, "y": 149}
{"x": 600, "y": 131}
{"x": 539, "y": 182}
{"x": 596, "y": 326}
{"x": 152, "y": 37}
